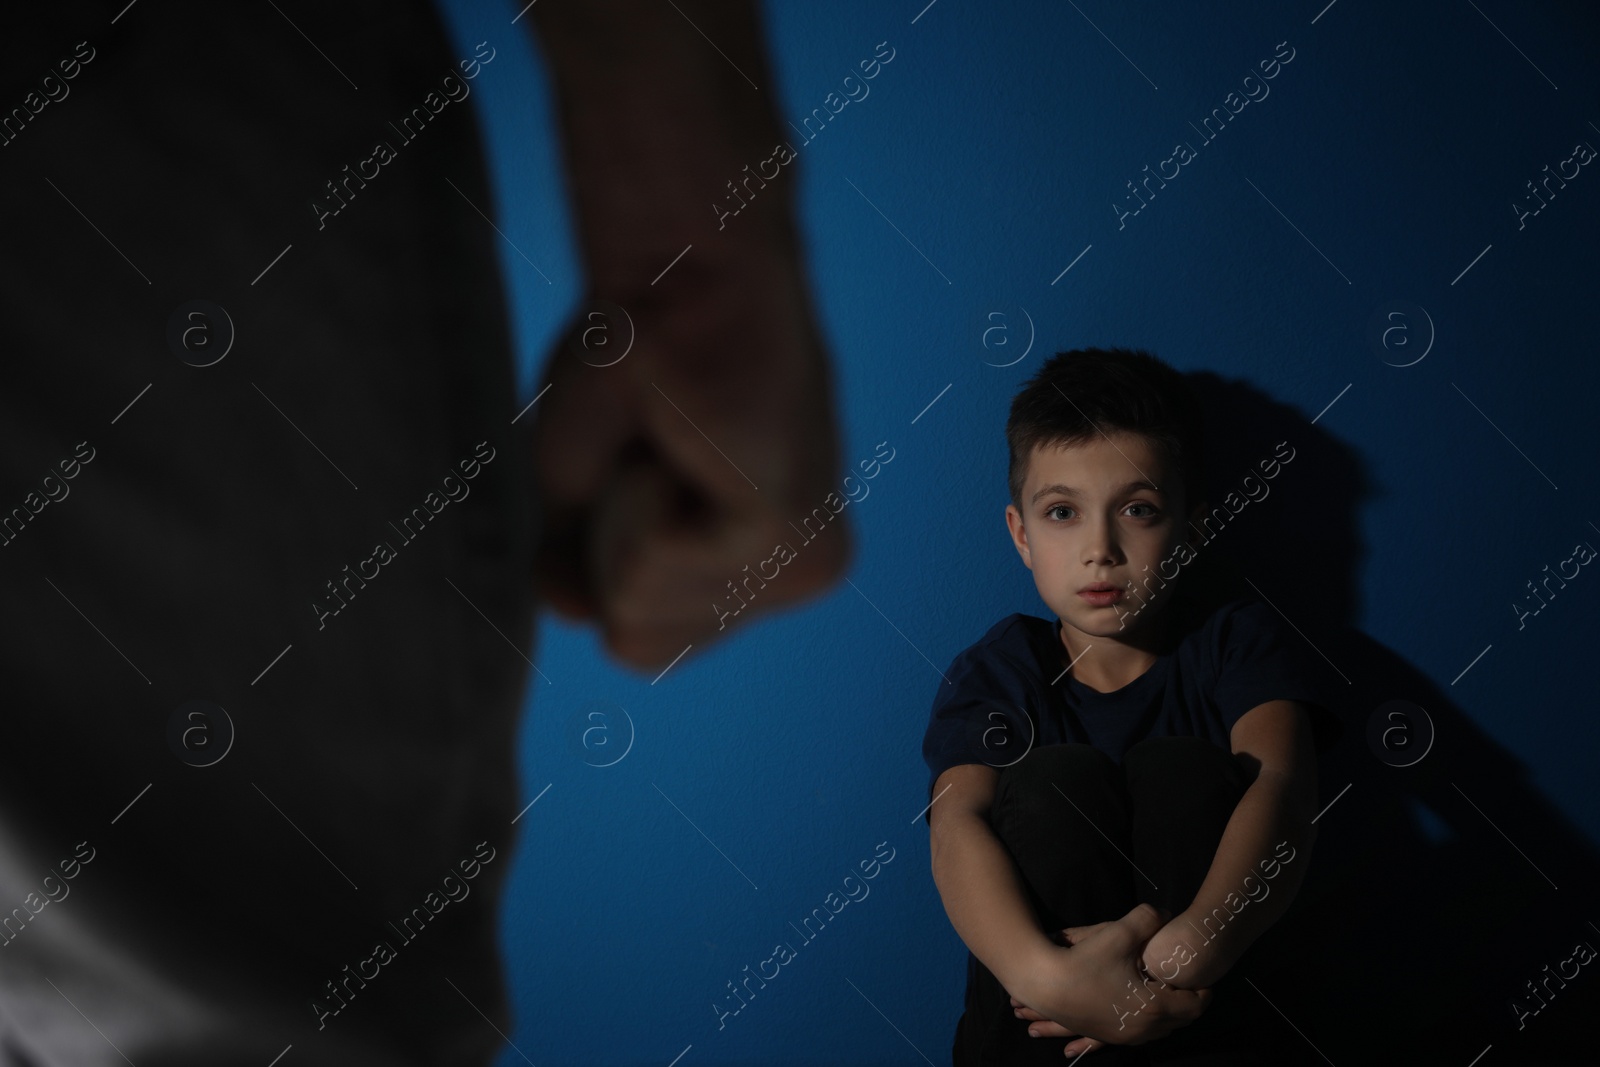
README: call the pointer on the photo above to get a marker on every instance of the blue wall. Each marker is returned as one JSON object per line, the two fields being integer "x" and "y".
{"x": 1372, "y": 178}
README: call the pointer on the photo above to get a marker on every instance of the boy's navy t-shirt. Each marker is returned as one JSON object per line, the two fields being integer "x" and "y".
{"x": 1009, "y": 693}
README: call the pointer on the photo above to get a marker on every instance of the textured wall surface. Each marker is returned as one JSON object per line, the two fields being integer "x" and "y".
{"x": 1372, "y": 254}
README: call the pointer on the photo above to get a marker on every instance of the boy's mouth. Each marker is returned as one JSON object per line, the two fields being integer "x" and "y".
{"x": 1100, "y": 594}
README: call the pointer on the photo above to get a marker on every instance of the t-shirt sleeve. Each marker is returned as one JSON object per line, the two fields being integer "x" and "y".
{"x": 981, "y": 715}
{"x": 1262, "y": 658}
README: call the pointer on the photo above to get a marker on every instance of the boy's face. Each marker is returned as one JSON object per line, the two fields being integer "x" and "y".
{"x": 1100, "y": 512}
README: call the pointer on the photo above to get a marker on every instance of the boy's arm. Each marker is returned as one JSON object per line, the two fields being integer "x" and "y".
{"x": 1262, "y": 858}
{"x": 1088, "y": 986}
{"x": 978, "y": 882}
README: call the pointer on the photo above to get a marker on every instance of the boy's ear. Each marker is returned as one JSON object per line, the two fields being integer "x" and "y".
{"x": 1019, "y": 534}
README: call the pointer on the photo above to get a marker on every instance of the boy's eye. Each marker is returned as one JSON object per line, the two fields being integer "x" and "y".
{"x": 1150, "y": 511}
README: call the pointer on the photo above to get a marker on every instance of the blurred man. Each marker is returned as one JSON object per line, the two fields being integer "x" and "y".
{"x": 275, "y": 524}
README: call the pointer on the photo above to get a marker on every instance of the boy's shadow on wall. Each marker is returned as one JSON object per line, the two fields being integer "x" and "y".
{"x": 1419, "y": 923}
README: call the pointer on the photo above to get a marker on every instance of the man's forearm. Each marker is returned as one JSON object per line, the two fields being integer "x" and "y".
{"x": 655, "y": 120}
{"x": 984, "y": 898}
{"x": 1259, "y": 865}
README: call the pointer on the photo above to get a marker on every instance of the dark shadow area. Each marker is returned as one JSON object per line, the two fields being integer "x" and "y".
{"x": 1420, "y": 925}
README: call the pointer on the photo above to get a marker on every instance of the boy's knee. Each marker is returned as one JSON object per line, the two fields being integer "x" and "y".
{"x": 1045, "y": 795}
{"x": 1184, "y": 764}
{"x": 1177, "y": 752}
{"x": 1043, "y": 770}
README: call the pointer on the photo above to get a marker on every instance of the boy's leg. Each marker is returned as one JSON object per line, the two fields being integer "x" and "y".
{"x": 1057, "y": 811}
{"x": 1183, "y": 792}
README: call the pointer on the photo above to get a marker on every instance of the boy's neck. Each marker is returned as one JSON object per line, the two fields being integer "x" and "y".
{"x": 1112, "y": 663}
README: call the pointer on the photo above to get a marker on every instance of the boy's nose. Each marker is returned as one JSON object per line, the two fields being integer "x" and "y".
{"x": 1101, "y": 547}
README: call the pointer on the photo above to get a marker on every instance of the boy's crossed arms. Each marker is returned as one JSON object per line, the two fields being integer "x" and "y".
{"x": 1081, "y": 989}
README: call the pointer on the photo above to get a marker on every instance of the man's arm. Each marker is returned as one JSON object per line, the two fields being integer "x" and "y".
{"x": 1262, "y": 858}
{"x": 655, "y": 122}
{"x": 663, "y": 475}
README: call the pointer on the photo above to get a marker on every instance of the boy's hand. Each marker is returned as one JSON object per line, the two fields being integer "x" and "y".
{"x": 1048, "y": 1027}
{"x": 1151, "y": 956}
{"x": 1095, "y": 991}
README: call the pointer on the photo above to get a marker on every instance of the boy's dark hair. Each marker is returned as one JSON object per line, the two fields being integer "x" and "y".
{"x": 1078, "y": 394}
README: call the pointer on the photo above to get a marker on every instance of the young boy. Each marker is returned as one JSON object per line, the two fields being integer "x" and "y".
{"x": 1122, "y": 798}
